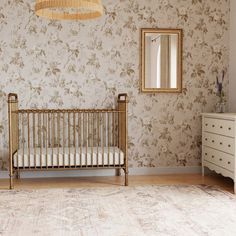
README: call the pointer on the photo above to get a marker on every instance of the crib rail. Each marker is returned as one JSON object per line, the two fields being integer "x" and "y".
{"x": 52, "y": 139}
{"x": 67, "y": 111}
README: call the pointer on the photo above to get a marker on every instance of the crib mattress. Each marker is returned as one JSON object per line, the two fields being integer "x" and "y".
{"x": 53, "y": 157}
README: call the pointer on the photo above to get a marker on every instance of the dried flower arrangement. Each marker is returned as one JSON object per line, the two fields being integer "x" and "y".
{"x": 220, "y": 93}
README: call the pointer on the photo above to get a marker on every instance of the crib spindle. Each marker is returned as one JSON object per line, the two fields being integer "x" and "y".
{"x": 43, "y": 130}
{"x": 58, "y": 138}
{"x": 92, "y": 138}
{"x": 28, "y": 129}
{"x": 53, "y": 138}
{"x": 74, "y": 139}
{"x": 113, "y": 136}
{"x": 108, "y": 137}
{"x": 40, "y": 138}
{"x": 118, "y": 139}
{"x": 47, "y": 134}
{"x": 64, "y": 139}
{"x": 87, "y": 137}
{"x": 80, "y": 137}
{"x": 103, "y": 136}
{"x": 98, "y": 138}
{"x": 34, "y": 140}
{"x": 23, "y": 140}
{"x": 69, "y": 138}
{"x": 18, "y": 141}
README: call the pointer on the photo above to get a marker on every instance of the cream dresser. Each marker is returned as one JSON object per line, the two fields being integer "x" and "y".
{"x": 218, "y": 143}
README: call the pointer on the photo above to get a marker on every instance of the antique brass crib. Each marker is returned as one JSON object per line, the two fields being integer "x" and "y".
{"x": 67, "y": 139}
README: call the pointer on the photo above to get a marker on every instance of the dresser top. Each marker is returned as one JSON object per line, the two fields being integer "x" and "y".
{"x": 221, "y": 115}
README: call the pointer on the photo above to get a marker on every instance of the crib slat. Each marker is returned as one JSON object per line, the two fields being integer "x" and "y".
{"x": 74, "y": 139}
{"x": 63, "y": 146}
{"x": 37, "y": 122}
{"x": 118, "y": 140}
{"x": 34, "y": 140}
{"x": 40, "y": 138}
{"x": 69, "y": 138}
{"x": 23, "y": 139}
{"x": 58, "y": 138}
{"x": 47, "y": 139}
{"x": 88, "y": 132}
{"x": 53, "y": 138}
{"x": 28, "y": 127}
{"x": 104, "y": 137}
{"x": 80, "y": 134}
{"x": 92, "y": 138}
{"x": 43, "y": 130}
{"x": 49, "y": 131}
{"x": 86, "y": 136}
{"x": 109, "y": 138}
{"x": 18, "y": 141}
{"x": 113, "y": 136}
{"x": 98, "y": 138}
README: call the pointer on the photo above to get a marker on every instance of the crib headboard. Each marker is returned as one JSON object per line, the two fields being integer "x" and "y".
{"x": 13, "y": 122}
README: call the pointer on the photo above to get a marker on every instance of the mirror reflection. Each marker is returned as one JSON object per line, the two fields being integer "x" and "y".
{"x": 161, "y": 61}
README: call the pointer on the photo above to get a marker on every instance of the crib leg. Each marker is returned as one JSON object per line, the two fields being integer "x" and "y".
{"x": 11, "y": 181}
{"x": 126, "y": 177}
{"x": 118, "y": 172}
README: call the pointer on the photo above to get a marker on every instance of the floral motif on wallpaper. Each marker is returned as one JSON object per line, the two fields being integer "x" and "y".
{"x": 86, "y": 64}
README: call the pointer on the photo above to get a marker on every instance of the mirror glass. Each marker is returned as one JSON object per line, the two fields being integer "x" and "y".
{"x": 161, "y": 60}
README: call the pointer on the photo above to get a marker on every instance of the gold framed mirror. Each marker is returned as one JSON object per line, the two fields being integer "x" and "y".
{"x": 161, "y": 60}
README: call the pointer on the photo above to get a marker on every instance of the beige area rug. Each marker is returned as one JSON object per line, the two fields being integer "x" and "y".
{"x": 115, "y": 211}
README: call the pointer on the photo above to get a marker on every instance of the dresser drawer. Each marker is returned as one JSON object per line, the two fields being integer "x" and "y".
{"x": 218, "y": 158}
{"x": 219, "y": 126}
{"x": 222, "y": 143}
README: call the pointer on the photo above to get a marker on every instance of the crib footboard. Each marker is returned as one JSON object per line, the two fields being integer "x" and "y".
{"x": 67, "y": 139}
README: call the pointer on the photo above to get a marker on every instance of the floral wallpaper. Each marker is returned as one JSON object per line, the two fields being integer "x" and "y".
{"x": 86, "y": 64}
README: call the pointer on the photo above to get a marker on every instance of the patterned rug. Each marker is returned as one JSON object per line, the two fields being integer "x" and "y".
{"x": 119, "y": 211}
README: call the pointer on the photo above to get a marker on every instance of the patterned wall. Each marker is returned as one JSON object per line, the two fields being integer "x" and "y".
{"x": 86, "y": 64}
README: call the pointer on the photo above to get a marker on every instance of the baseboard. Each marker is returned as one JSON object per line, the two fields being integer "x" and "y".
{"x": 94, "y": 173}
{"x": 165, "y": 170}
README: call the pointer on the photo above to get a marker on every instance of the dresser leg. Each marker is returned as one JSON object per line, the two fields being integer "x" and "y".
{"x": 234, "y": 187}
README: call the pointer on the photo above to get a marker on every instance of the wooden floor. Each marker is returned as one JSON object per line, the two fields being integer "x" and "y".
{"x": 189, "y": 179}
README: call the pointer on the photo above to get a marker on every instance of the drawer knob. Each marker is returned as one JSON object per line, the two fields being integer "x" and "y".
{"x": 213, "y": 141}
{"x": 229, "y": 162}
{"x": 229, "y": 128}
{"x": 206, "y": 154}
{"x": 221, "y": 127}
{"x": 213, "y": 156}
{"x": 220, "y": 159}
{"x": 206, "y": 139}
{"x": 229, "y": 145}
{"x": 221, "y": 143}
{"x": 206, "y": 124}
{"x": 213, "y": 126}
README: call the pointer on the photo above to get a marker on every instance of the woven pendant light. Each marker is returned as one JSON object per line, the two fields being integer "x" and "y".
{"x": 69, "y": 9}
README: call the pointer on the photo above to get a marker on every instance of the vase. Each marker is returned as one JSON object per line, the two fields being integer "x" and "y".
{"x": 220, "y": 107}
